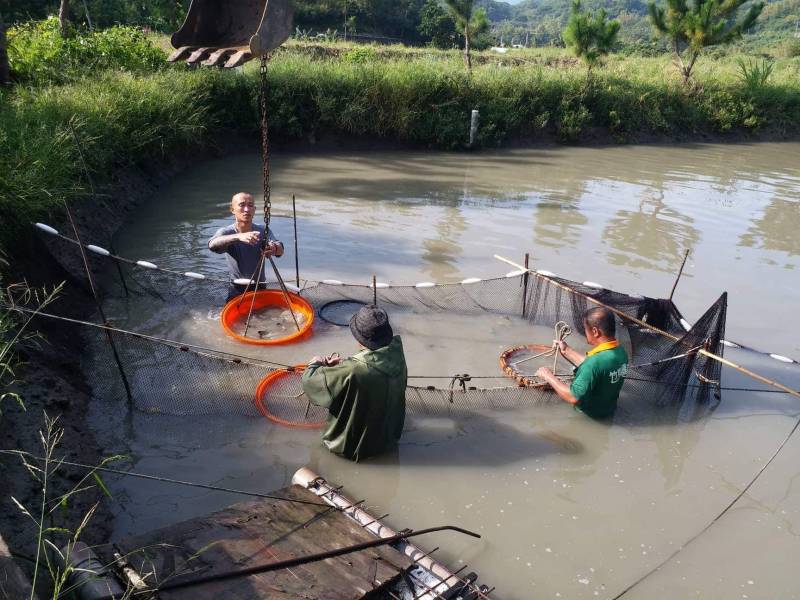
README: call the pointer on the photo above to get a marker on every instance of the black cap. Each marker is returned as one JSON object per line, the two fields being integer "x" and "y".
{"x": 370, "y": 326}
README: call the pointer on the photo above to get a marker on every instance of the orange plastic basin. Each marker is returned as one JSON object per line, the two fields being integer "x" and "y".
{"x": 238, "y": 308}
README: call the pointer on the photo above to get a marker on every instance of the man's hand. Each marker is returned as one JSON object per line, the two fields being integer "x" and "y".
{"x": 326, "y": 361}
{"x": 274, "y": 248}
{"x": 561, "y": 345}
{"x": 249, "y": 237}
{"x": 544, "y": 373}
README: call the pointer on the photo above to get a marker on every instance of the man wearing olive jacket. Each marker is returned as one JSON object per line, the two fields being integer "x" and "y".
{"x": 365, "y": 394}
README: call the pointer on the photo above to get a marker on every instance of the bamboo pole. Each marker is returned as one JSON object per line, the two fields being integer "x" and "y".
{"x": 680, "y": 272}
{"x": 628, "y": 317}
{"x": 296, "y": 254}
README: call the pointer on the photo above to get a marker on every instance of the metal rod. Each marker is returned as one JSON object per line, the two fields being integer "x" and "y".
{"x": 285, "y": 292}
{"x": 296, "y": 254}
{"x": 259, "y": 270}
{"x": 641, "y": 323}
{"x": 680, "y": 272}
{"x": 525, "y": 278}
{"x": 304, "y": 560}
{"x": 89, "y": 271}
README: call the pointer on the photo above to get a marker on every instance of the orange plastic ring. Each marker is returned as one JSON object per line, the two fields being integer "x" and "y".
{"x": 269, "y": 380}
{"x": 238, "y": 308}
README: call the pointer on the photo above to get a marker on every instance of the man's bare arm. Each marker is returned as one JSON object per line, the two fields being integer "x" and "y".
{"x": 571, "y": 354}
{"x": 220, "y": 242}
{"x": 560, "y": 388}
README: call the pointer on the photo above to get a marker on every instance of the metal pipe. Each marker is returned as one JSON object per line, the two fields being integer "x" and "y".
{"x": 296, "y": 254}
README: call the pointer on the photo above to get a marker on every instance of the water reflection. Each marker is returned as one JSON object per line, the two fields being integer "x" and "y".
{"x": 777, "y": 228}
{"x": 653, "y": 237}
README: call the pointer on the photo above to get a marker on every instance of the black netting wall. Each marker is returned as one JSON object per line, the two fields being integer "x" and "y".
{"x": 171, "y": 378}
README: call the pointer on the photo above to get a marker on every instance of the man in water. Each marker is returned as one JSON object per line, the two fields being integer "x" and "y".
{"x": 599, "y": 375}
{"x": 242, "y": 243}
{"x": 365, "y": 394}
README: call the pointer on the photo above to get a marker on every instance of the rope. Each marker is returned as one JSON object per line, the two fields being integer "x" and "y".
{"x": 134, "y": 474}
{"x": 715, "y": 519}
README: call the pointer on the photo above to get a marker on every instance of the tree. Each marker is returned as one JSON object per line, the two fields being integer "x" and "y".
{"x": 436, "y": 25}
{"x": 63, "y": 17}
{"x": 590, "y": 35}
{"x": 5, "y": 72}
{"x": 691, "y": 25}
{"x": 469, "y": 21}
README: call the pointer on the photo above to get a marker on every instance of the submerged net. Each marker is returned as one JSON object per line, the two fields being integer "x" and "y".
{"x": 666, "y": 366}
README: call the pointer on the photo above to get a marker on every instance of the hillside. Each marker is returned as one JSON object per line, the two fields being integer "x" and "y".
{"x": 543, "y": 20}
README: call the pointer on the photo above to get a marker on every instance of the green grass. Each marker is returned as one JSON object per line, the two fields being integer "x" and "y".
{"x": 413, "y": 95}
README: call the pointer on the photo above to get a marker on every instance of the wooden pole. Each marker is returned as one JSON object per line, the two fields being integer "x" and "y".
{"x": 627, "y": 317}
{"x": 374, "y": 291}
{"x": 680, "y": 272}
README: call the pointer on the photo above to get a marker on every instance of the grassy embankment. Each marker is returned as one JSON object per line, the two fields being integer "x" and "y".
{"x": 141, "y": 115}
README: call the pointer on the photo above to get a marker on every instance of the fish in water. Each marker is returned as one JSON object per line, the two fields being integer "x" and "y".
{"x": 272, "y": 323}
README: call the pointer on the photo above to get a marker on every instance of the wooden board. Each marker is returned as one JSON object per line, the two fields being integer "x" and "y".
{"x": 255, "y": 533}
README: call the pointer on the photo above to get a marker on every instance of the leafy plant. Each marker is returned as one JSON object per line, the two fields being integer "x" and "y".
{"x": 754, "y": 74}
{"x": 692, "y": 25}
{"x": 55, "y": 543}
{"x": 39, "y": 55}
{"x": 14, "y": 330}
{"x": 360, "y": 55}
{"x": 590, "y": 36}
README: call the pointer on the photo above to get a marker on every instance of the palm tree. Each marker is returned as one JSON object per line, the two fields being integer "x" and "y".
{"x": 470, "y": 21}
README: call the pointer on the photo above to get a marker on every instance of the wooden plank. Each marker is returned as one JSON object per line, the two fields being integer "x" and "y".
{"x": 255, "y": 533}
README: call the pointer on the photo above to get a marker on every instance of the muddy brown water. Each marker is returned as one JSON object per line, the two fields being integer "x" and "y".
{"x": 567, "y": 507}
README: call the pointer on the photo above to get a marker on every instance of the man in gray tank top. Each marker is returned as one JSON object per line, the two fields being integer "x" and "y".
{"x": 241, "y": 242}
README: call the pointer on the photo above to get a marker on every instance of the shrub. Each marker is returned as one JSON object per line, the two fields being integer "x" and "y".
{"x": 39, "y": 55}
{"x": 754, "y": 75}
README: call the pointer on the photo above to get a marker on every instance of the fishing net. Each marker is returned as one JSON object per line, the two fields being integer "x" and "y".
{"x": 666, "y": 355}
{"x": 280, "y": 398}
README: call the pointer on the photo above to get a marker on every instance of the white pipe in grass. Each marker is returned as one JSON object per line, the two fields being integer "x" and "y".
{"x": 98, "y": 250}
{"x": 146, "y": 264}
{"x": 47, "y": 228}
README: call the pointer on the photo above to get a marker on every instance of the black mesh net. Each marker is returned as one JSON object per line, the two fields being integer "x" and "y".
{"x": 667, "y": 361}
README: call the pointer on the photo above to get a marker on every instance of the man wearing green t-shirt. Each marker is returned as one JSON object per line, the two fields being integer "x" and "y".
{"x": 600, "y": 374}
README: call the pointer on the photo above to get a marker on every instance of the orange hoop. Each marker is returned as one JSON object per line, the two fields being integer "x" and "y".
{"x": 521, "y": 379}
{"x": 238, "y": 308}
{"x": 262, "y": 404}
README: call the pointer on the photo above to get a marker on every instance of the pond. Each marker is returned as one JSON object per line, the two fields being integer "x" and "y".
{"x": 567, "y": 507}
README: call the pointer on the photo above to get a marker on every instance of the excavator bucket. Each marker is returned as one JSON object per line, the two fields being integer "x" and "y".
{"x": 230, "y": 32}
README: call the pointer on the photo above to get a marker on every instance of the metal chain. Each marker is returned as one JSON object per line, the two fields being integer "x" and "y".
{"x": 265, "y": 145}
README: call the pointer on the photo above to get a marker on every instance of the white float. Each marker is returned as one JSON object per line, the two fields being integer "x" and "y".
{"x": 146, "y": 264}
{"x": 545, "y": 273}
{"x": 98, "y": 250}
{"x": 471, "y": 280}
{"x": 332, "y": 282}
{"x": 47, "y": 228}
{"x": 425, "y": 284}
{"x": 511, "y": 274}
{"x": 194, "y": 275}
{"x": 781, "y": 358}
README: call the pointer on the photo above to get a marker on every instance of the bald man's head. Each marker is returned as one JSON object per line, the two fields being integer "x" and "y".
{"x": 243, "y": 207}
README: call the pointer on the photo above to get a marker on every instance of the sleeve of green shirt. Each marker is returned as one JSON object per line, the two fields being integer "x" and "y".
{"x": 315, "y": 386}
{"x": 585, "y": 380}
